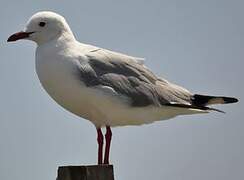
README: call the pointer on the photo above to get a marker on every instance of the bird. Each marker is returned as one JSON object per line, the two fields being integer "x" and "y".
{"x": 107, "y": 88}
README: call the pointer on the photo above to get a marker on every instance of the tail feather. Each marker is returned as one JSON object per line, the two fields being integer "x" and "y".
{"x": 203, "y": 100}
{"x": 204, "y": 108}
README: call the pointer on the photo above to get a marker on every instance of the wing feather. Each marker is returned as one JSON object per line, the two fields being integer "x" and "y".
{"x": 131, "y": 79}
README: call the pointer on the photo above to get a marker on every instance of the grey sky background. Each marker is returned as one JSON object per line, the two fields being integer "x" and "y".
{"x": 197, "y": 44}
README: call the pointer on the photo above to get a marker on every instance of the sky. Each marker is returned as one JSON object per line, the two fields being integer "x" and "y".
{"x": 196, "y": 44}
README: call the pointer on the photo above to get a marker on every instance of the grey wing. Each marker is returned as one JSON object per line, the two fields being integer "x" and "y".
{"x": 131, "y": 79}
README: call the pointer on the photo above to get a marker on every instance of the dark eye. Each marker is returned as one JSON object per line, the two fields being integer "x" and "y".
{"x": 42, "y": 24}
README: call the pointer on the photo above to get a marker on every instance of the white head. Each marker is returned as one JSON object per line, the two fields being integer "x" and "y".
{"x": 43, "y": 27}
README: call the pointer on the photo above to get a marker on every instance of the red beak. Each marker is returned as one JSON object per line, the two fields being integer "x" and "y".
{"x": 19, "y": 35}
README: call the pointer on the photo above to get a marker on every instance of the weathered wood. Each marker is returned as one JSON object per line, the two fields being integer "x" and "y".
{"x": 96, "y": 172}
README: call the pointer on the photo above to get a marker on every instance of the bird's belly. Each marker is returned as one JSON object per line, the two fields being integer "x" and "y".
{"x": 59, "y": 80}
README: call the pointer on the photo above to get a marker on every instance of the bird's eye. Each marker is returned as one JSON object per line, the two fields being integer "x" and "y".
{"x": 42, "y": 24}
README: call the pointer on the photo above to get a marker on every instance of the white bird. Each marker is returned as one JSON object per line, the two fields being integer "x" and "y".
{"x": 105, "y": 87}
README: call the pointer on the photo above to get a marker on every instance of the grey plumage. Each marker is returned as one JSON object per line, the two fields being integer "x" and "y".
{"x": 131, "y": 79}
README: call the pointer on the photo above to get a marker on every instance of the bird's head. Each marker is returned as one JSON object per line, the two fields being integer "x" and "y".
{"x": 43, "y": 27}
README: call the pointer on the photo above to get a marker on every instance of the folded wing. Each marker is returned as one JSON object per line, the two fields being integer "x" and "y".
{"x": 132, "y": 79}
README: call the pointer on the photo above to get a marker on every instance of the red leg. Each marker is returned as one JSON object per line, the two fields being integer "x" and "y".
{"x": 108, "y": 137}
{"x": 100, "y": 145}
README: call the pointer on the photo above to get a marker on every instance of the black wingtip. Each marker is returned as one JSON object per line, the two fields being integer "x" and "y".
{"x": 230, "y": 100}
{"x": 203, "y": 100}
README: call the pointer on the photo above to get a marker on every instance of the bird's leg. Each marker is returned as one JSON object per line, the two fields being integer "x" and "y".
{"x": 100, "y": 145}
{"x": 108, "y": 138}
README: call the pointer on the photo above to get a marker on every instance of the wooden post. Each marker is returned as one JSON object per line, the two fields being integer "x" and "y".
{"x": 96, "y": 172}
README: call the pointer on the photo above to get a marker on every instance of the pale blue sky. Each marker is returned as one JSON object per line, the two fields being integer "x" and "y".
{"x": 197, "y": 44}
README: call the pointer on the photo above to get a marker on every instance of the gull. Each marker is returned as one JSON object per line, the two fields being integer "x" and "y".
{"x": 107, "y": 88}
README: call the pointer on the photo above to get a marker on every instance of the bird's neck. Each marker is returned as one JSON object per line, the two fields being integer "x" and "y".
{"x": 67, "y": 34}
{"x": 62, "y": 41}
